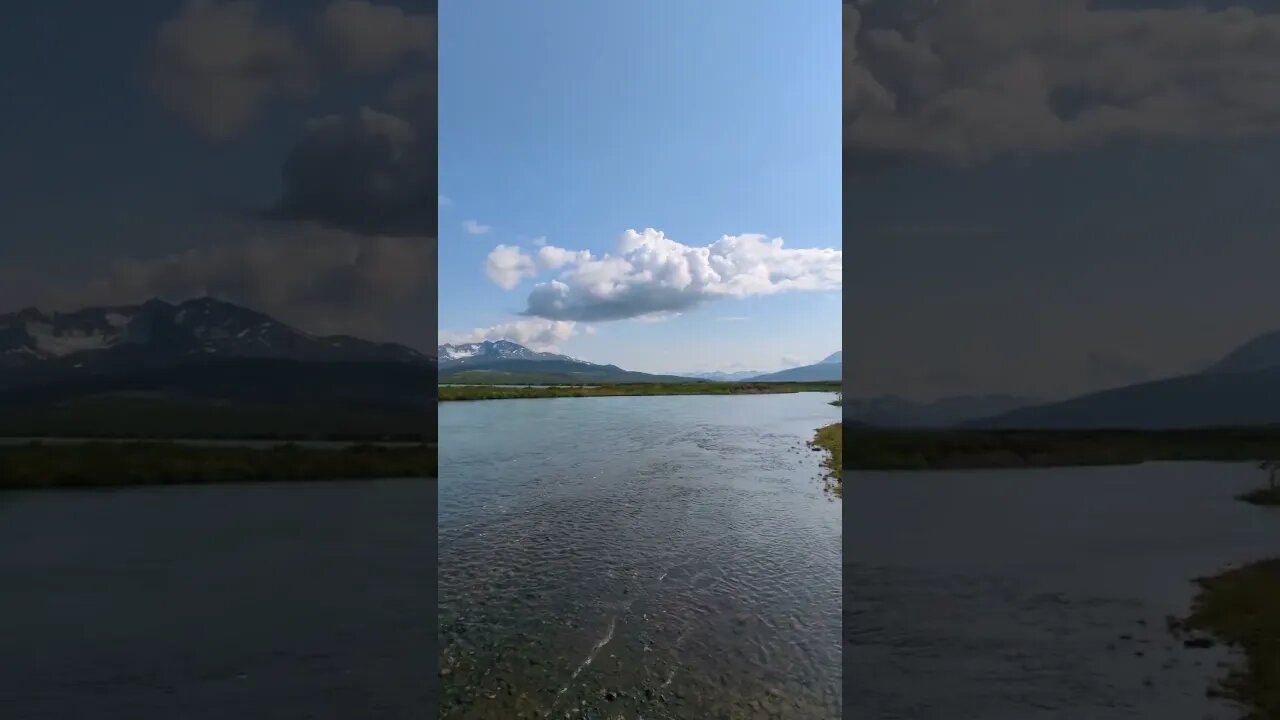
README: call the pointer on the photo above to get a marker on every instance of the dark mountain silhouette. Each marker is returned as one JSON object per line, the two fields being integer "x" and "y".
{"x": 177, "y": 367}
{"x": 1239, "y": 390}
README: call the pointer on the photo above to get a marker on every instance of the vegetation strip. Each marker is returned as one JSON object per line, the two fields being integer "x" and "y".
{"x": 831, "y": 439}
{"x": 105, "y": 464}
{"x": 495, "y": 392}
{"x": 891, "y": 449}
{"x": 1239, "y": 608}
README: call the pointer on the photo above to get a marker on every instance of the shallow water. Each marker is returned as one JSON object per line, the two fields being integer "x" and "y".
{"x": 638, "y": 557}
{"x": 1038, "y": 594}
{"x": 277, "y": 601}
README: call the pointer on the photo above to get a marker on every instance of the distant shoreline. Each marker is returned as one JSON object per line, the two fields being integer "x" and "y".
{"x": 943, "y": 449}
{"x": 494, "y": 392}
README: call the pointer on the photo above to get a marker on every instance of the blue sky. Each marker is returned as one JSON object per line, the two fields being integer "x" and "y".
{"x": 569, "y": 123}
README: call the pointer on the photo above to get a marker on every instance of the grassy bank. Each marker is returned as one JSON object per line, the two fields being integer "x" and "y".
{"x": 156, "y": 463}
{"x": 831, "y": 440}
{"x": 883, "y": 449}
{"x": 161, "y": 418}
{"x": 1239, "y": 607}
{"x": 491, "y": 392}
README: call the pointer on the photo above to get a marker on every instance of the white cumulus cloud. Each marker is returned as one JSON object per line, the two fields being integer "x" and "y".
{"x": 652, "y": 276}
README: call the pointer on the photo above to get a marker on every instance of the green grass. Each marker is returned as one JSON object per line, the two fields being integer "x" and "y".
{"x": 125, "y": 416}
{"x": 831, "y": 440}
{"x": 105, "y": 464}
{"x": 448, "y": 394}
{"x": 1240, "y": 607}
{"x": 884, "y": 449}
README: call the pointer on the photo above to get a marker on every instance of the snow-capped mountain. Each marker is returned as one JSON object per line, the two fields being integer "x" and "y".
{"x": 158, "y": 332}
{"x": 504, "y": 361}
{"x": 490, "y": 351}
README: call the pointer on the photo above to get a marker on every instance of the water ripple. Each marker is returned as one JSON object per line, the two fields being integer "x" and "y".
{"x": 664, "y": 559}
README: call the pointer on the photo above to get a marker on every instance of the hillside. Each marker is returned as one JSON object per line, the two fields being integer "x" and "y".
{"x": 1240, "y": 390}
{"x": 1202, "y": 400}
{"x": 503, "y": 362}
{"x": 204, "y": 367}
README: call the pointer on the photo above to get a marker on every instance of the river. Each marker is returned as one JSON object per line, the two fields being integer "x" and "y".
{"x": 1039, "y": 594}
{"x": 205, "y": 602}
{"x": 638, "y": 557}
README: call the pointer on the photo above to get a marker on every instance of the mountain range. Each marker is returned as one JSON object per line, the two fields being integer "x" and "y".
{"x": 1242, "y": 389}
{"x": 507, "y": 362}
{"x": 831, "y": 369}
{"x": 185, "y": 364}
{"x": 503, "y": 362}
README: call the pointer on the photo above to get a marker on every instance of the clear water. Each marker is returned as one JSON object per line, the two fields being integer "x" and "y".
{"x": 277, "y": 601}
{"x": 1041, "y": 594}
{"x": 638, "y": 557}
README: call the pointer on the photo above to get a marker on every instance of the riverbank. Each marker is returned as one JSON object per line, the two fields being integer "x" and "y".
{"x": 493, "y": 392}
{"x": 105, "y": 464}
{"x": 891, "y": 449}
{"x": 831, "y": 440}
{"x": 1238, "y": 607}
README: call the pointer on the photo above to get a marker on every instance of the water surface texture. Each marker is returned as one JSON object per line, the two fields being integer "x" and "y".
{"x": 1040, "y": 594}
{"x": 638, "y": 557}
{"x": 273, "y": 601}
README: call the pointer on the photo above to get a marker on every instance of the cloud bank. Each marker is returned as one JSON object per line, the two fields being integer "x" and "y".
{"x": 322, "y": 280}
{"x": 653, "y": 275}
{"x": 216, "y": 62}
{"x": 369, "y": 37}
{"x": 370, "y": 173}
{"x": 963, "y": 80}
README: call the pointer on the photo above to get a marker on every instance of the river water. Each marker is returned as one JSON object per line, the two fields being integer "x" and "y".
{"x": 1041, "y": 594}
{"x": 638, "y": 557}
{"x": 197, "y": 602}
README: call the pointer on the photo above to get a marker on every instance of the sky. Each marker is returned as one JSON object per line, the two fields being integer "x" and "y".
{"x": 654, "y": 185}
{"x": 1046, "y": 198}
{"x": 280, "y": 155}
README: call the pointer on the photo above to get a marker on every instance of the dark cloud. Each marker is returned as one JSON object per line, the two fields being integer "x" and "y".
{"x": 370, "y": 37}
{"x": 966, "y": 79}
{"x": 372, "y": 173}
{"x": 416, "y": 94}
{"x": 322, "y": 280}
{"x": 215, "y": 63}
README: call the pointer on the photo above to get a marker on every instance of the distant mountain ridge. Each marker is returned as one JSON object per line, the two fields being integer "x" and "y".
{"x": 489, "y": 351}
{"x": 1260, "y": 353}
{"x": 203, "y": 366}
{"x": 157, "y": 333}
{"x": 504, "y": 362}
{"x": 1242, "y": 389}
{"x": 830, "y": 369}
{"x": 714, "y": 376}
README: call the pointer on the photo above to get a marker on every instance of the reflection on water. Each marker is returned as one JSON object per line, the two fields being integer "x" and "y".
{"x": 280, "y": 601}
{"x": 655, "y": 557}
{"x": 1028, "y": 595}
